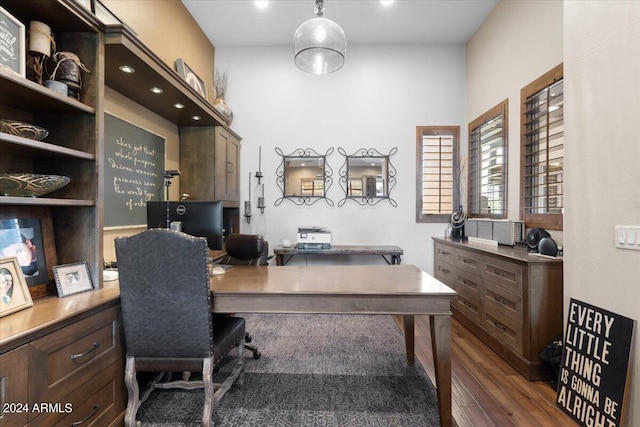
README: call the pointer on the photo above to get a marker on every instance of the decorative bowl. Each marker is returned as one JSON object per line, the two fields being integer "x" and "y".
{"x": 24, "y": 130}
{"x": 30, "y": 184}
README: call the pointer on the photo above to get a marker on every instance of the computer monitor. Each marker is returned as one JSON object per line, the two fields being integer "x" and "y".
{"x": 198, "y": 218}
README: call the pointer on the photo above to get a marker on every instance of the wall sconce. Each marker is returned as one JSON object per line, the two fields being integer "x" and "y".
{"x": 261, "y": 205}
{"x": 259, "y": 173}
{"x": 247, "y": 204}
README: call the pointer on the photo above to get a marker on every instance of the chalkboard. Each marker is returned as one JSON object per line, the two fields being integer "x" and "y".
{"x": 12, "y": 46}
{"x": 595, "y": 360}
{"x": 134, "y": 161}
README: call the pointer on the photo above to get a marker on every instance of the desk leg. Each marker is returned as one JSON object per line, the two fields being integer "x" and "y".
{"x": 279, "y": 259}
{"x": 409, "y": 338}
{"x": 441, "y": 343}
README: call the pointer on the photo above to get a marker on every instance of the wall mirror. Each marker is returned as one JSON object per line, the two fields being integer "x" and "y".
{"x": 367, "y": 176}
{"x": 304, "y": 176}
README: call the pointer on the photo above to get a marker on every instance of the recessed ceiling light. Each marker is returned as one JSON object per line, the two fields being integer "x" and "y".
{"x": 156, "y": 90}
{"x": 127, "y": 69}
{"x": 261, "y": 4}
{"x": 178, "y": 105}
{"x": 196, "y": 117}
{"x": 386, "y": 3}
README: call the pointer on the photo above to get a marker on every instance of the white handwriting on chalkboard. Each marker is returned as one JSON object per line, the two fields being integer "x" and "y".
{"x": 7, "y": 40}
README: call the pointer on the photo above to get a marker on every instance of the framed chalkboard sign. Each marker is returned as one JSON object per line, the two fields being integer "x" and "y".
{"x": 12, "y": 43}
{"x": 134, "y": 161}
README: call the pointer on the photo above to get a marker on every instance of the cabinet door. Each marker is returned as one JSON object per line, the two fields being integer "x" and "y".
{"x": 13, "y": 387}
{"x": 227, "y": 165}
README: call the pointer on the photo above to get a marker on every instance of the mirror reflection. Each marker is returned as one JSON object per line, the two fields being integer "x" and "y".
{"x": 304, "y": 176}
{"x": 367, "y": 176}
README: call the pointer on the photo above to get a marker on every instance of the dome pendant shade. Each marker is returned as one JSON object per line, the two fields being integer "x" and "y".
{"x": 319, "y": 45}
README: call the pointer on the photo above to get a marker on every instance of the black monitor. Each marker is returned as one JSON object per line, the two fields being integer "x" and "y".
{"x": 198, "y": 218}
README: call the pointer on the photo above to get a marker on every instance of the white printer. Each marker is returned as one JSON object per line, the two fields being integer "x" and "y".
{"x": 314, "y": 238}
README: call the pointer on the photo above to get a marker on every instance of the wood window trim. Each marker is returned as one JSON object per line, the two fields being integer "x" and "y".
{"x": 548, "y": 221}
{"x": 501, "y": 108}
{"x": 433, "y": 130}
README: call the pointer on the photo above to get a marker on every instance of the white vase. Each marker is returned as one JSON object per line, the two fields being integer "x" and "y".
{"x": 223, "y": 109}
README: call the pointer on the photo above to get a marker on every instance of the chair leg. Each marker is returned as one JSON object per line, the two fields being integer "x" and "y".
{"x": 207, "y": 374}
{"x": 133, "y": 402}
{"x": 254, "y": 350}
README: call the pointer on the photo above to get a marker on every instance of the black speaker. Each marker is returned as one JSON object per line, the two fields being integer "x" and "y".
{"x": 548, "y": 246}
{"x": 534, "y": 235}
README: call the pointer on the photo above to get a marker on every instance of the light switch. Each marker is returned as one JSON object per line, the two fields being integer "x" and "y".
{"x": 628, "y": 237}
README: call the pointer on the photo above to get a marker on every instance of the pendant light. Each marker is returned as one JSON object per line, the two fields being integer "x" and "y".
{"x": 319, "y": 44}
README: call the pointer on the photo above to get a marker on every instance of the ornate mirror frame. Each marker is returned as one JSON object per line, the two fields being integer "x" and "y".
{"x": 282, "y": 177}
{"x": 387, "y": 180}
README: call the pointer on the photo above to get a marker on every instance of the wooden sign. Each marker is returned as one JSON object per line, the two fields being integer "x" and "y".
{"x": 595, "y": 359}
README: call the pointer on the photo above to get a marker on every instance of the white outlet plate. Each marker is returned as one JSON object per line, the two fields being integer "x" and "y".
{"x": 628, "y": 237}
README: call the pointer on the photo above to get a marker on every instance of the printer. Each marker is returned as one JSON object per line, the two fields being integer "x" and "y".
{"x": 314, "y": 238}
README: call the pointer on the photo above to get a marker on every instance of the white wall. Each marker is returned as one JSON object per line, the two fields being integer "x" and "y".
{"x": 375, "y": 101}
{"x": 602, "y": 160}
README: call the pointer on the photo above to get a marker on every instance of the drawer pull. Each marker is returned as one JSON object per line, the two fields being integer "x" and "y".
{"x": 500, "y": 300}
{"x": 79, "y": 355}
{"x": 444, "y": 270}
{"x": 499, "y": 326}
{"x": 85, "y": 419}
{"x": 444, "y": 252}
{"x": 466, "y": 261}
{"x": 500, "y": 273}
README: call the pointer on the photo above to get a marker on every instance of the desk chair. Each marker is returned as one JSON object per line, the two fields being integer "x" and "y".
{"x": 246, "y": 249}
{"x": 167, "y": 317}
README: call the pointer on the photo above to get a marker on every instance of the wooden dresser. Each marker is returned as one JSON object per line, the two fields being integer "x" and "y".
{"x": 61, "y": 362}
{"x": 511, "y": 300}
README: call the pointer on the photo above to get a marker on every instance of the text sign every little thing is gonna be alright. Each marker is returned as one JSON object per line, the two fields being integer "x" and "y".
{"x": 134, "y": 161}
{"x": 595, "y": 359}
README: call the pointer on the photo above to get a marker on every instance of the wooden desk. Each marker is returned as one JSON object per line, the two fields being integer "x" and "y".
{"x": 392, "y": 251}
{"x": 374, "y": 289}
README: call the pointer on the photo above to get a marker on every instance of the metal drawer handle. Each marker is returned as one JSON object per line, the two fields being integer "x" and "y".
{"x": 499, "y": 326}
{"x": 500, "y": 300}
{"x": 444, "y": 270}
{"x": 500, "y": 273}
{"x": 466, "y": 261}
{"x": 79, "y": 355}
{"x": 85, "y": 419}
{"x": 230, "y": 167}
{"x": 444, "y": 252}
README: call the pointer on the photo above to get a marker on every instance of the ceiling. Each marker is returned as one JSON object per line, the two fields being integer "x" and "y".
{"x": 237, "y": 23}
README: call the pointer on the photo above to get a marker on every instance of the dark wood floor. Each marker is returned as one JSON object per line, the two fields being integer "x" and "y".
{"x": 486, "y": 390}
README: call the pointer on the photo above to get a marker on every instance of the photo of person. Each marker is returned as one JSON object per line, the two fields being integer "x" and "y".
{"x": 22, "y": 238}
{"x": 6, "y": 286}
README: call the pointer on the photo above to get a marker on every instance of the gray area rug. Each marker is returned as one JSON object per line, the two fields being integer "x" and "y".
{"x": 315, "y": 370}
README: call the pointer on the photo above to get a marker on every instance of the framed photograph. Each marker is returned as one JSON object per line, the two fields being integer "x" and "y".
{"x": 12, "y": 44}
{"x": 14, "y": 293}
{"x": 192, "y": 78}
{"x": 23, "y": 238}
{"x": 72, "y": 278}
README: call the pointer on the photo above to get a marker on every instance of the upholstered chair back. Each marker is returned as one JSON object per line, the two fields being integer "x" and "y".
{"x": 165, "y": 295}
{"x": 245, "y": 249}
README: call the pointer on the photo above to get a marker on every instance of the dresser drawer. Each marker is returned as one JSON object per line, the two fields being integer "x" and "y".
{"x": 94, "y": 404}
{"x": 63, "y": 360}
{"x": 468, "y": 261}
{"x": 499, "y": 300}
{"x": 503, "y": 328}
{"x": 469, "y": 286}
{"x": 503, "y": 273}
{"x": 470, "y": 308}
{"x": 445, "y": 273}
{"x": 13, "y": 387}
{"x": 444, "y": 253}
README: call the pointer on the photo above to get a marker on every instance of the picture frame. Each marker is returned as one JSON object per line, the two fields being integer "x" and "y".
{"x": 12, "y": 44}
{"x": 72, "y": 278}
{"x": 192, "y": 78}
{"x": 14, "y": 293}
{"x": 27, "y": 234}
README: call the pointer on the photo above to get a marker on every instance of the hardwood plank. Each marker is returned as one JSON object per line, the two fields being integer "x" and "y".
{"x": 486, "y": 390}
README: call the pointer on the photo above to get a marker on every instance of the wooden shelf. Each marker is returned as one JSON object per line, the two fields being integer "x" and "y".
{"x": 44, "y": 201}
{"x": 124, "y": 47}
{"x": 30, "y": 147}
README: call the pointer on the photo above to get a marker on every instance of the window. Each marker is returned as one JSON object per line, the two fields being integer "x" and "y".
{"x": 488, "y": 164}
{"x": 542, "y": 151}
{"x": 437, "y": 182}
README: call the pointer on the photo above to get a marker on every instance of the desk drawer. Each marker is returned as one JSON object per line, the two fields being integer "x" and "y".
{"x": 470, "y": 262}
{"x": 503, "y": 273}
{"x": 468, "y": 286}
{"x": 94, "y": 404}
{"x": 503, "y": 328}
{"x": 470, "y": 308}
{"x": 63, "y": 360}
